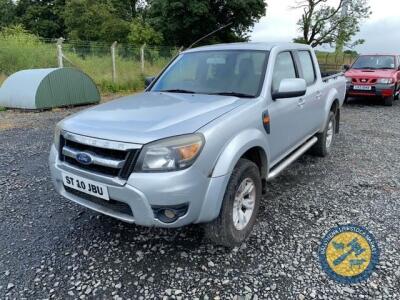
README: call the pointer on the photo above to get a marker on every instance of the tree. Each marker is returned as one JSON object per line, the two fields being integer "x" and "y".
{"x": 7, "y": 15}
{"x": 94, "y": 21}
{"x": 128, "y": 10}
{"x": 323, "y": 24}
{"x": 142, "y": 33}
{"x": 183, "y": 21}
{"x": 42, "y": 17}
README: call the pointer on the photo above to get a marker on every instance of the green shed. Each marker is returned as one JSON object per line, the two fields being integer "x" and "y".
{"x": 48, "y": 88}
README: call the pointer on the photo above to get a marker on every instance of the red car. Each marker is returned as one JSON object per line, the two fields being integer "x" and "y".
{"x": 374, "y": 75}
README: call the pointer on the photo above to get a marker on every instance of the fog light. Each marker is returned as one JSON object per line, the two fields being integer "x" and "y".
{"x": 169, "y": 214}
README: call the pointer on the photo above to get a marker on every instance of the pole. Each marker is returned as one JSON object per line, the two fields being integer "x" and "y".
{"x": 114, "y": 67}
{"x": 60, "y": 53}
{"x": 142, "y": 57}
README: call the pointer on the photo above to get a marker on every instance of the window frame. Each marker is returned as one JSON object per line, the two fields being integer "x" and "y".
{"x": 297, "y": 54}
{"x": 296, "y": 69}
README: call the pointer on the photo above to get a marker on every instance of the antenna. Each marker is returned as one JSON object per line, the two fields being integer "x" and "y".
{"x": 211, "y": 33}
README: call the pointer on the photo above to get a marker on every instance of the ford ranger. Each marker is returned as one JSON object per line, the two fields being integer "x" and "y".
{"x": 374, "y": 75}
{"x": 201, "y": 143}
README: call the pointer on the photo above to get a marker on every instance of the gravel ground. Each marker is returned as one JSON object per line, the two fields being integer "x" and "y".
{"x": 51, "y": 248}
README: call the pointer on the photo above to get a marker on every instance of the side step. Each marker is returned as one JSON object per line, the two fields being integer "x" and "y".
{"x": 291, "y": 158}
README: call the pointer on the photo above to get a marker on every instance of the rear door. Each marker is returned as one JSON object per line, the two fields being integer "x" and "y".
{"x": 313, "y": 100}
{"x": 286, "y": 114}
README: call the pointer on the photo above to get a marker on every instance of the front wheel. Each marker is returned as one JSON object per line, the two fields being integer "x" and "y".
{"x": 388, "y": 101}
{"x": 239, "y": 208}
{"x": 325, "y": 139}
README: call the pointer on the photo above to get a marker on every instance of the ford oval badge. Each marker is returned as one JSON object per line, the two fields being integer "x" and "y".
{"x": 84, "y": 158}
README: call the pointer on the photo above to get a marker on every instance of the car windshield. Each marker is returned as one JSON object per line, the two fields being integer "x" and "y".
{"x": 375, "y": 62}
{"x": 231, "y": 72}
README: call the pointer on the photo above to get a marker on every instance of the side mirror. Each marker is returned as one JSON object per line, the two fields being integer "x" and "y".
{"x": 148, "y": 81}
{"x": 290, "y": 88}
{"x": 346, "y": 67}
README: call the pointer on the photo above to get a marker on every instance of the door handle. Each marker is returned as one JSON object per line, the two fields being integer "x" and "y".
{"x": 301, "y": 102}
{"x": 319, "y": 94}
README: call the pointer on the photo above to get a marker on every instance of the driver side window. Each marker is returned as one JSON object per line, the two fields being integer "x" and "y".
{"x": 284, "y": 69}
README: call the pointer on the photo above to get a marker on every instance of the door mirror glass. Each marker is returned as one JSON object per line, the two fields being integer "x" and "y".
{"x": 148, "y": 81}
{"x": 346, "y": 67}
{"x": 290, "y": 88}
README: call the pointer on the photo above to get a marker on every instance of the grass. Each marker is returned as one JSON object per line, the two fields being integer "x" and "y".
{"x": 20, "y": 50}
{"x": 2, "y": 78}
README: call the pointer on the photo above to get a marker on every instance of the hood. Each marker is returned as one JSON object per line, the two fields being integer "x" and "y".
{"x": 149, "y": 116}
{"x": 366, "y": 73}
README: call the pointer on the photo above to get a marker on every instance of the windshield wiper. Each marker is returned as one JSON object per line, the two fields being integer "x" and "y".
{"x": 235, "y": 94}
{"x": 177, "y": 91}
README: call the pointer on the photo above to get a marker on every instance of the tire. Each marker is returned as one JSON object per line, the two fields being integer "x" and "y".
{"x": 224, "y": 230}
{"x": 388, "y": 101}
{"x": 397, "y": 93}
{"x": 325, "y": 139}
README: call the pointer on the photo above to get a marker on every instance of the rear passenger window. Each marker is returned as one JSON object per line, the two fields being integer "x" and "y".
{"x": 307, "y": 66}
{"x": 284, "y": 69}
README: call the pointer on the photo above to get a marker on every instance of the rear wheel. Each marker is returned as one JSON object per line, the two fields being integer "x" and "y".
{"x": 325, "y": 139}
{"x": 239, "y": 208}
{"x": 388, "y": 101}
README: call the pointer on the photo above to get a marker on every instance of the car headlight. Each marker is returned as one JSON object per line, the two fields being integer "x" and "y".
{"x": 171, "y": 154}
{"x": 385, "y": 80}
{"x": 57, "y": 134}
{"x": 349, "y": 79}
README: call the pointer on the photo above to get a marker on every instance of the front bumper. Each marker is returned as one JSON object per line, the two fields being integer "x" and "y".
{"x": 145, "y": 192}
{"x": 377, "y": 90}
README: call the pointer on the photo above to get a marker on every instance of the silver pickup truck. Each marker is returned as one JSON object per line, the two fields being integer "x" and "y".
{"x": 200, "y": 144}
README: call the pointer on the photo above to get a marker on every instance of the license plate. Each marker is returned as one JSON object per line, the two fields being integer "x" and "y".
{"x": 86, "y": 186}
{"x": 363, "y": 87}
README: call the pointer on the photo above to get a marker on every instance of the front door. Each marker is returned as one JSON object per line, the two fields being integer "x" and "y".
{"x": 286, "y": 115}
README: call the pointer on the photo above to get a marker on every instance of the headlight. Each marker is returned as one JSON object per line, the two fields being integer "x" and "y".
{"x": 349, "y": 79}
{"x": 170, "y": 154}
{"x": 385, "y": 80}
{"x": 57, "y": 134}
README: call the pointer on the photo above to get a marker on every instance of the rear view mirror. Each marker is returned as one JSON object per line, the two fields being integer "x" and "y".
{"x": 290, "y": 88}
{"x": 346, "y": 67}
{"x": 148, "y": 81}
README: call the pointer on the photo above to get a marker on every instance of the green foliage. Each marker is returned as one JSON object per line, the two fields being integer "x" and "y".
{"x": 7, "y": 9}
{"x": 142, "y": 33}
{"x": 323, "y": 24}
{"x": 128, "y": 9}
{"x": 42, "y": 17}
{"x": 181, "y": 22}
{"x": 94, "y": 21}
{"x": 22, "y": 50}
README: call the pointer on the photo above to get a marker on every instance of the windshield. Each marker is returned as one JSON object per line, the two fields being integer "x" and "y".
{"x": 232, "y": 72}
{"x": 375, "y": 62}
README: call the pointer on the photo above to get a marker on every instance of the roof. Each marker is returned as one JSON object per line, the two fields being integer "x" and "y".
{"x": 249, "y": 46}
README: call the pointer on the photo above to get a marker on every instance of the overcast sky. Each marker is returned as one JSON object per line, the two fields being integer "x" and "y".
{"x": 381, "y": 31}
